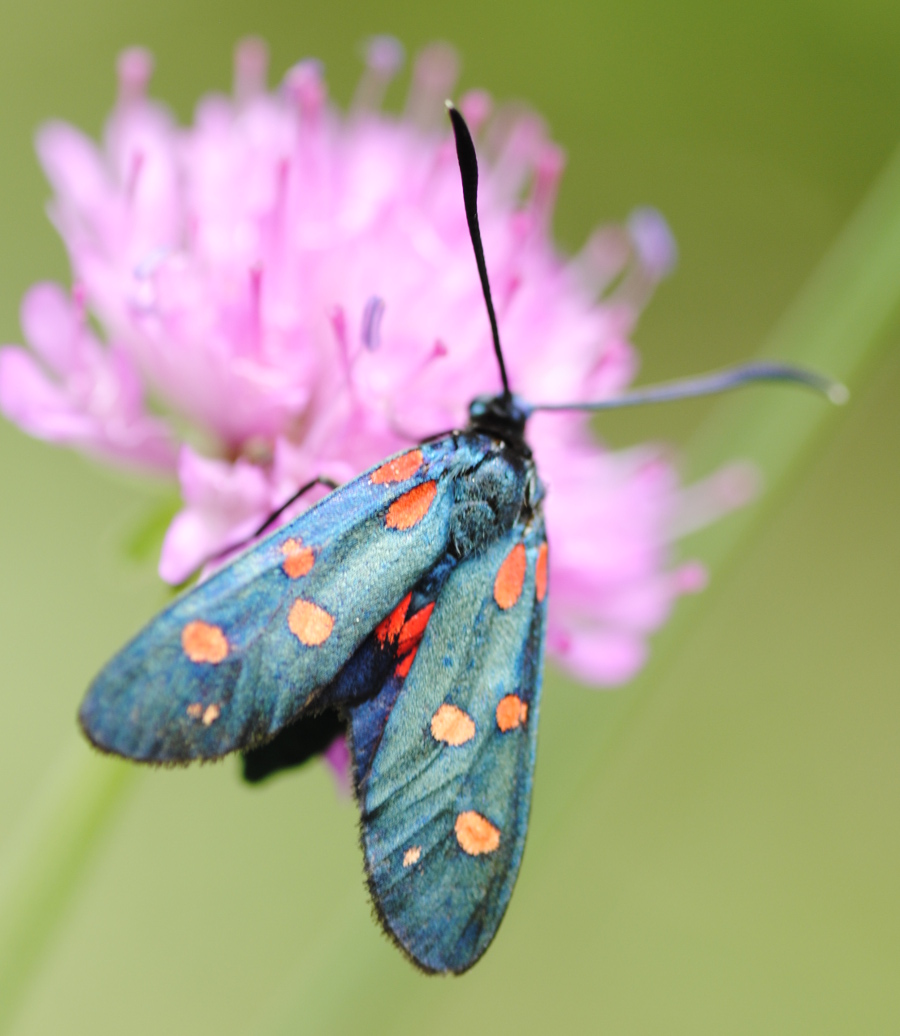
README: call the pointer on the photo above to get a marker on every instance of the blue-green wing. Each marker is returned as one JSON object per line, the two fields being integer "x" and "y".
{"x": 235, "y": 659}
{"x": 445, "y": 762}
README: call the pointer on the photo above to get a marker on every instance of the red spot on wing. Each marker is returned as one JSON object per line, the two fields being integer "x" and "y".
{"x": 405, "y": 633}
{"x": 410, "y": 637}
{"x": 309, "y": 623}
{"x": 414, "y": 629}
{"x": 452, "y": 725}
{"x": 399, "y": 469}
{"x": 540, "y": 574}
{"x": 204, "y": 642}
{"x": 389, "y": 629}
{"x": 511, "y": 712}
{"x": 510, "y": 577}
{"x": 408, "y": 510}
{"x": 476, "y": 834}
{"x": 405, "y": 664}
{"x": 210, "y": 714}
{"x": 298, "y": 560}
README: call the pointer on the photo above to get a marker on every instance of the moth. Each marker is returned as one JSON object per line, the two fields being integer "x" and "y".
{"x": 407, "y": 607}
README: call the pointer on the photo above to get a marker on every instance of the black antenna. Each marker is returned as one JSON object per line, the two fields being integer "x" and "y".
{"x": 468, "y": 168}
{"x": 685, "y": 388}
{"x": 708, "y": 384}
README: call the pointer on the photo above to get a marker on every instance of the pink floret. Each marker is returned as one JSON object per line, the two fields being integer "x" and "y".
{"x": 69, "y": 389}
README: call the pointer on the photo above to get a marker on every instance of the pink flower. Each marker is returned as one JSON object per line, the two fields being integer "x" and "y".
{"x": 293, "y": 289}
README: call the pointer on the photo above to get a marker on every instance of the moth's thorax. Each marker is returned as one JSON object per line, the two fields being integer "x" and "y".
{"x": 499, "y": 490}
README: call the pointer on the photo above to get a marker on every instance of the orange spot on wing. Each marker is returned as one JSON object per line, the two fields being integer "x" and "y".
{"x": 540, "y": 574}
{"x": 399, "y": 469}
{"x": 389, "y": 629}
{"x": 409, "y": 509}
{"x": 203, "y": 642}
{"x": 211, "y": 714}
{"x": 404, "y": 666}
{"x": 452, "y": 726}
{"x": 510, "y": 577}
{"x": 511, "y": 712}
{"x": 309, "y": 623}
{"x": 414, "y": 629}
{"x": 298, "y": 560}
{"x": 195, "y": 710}
{"x": 476, "y": 834}
{"x": 412, "y": 855}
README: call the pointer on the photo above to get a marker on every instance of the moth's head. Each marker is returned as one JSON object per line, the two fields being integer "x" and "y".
{"x": 503, "y": 416}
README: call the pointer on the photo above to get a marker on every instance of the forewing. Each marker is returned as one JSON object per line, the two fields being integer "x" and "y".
{"x": 235, "y": 659}
{"x": 446, "y": 792}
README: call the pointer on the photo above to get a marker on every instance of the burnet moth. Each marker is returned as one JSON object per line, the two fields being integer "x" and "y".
{"x": 407, "y": 608}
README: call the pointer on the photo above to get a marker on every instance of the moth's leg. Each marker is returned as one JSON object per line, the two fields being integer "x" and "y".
{"x": 291, "y": 500}
{"x": 273, "y": 517}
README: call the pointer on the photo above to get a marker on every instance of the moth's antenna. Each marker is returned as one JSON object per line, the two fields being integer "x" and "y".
{"x": 709, "y": 384}
{"x": 468, "y": 168}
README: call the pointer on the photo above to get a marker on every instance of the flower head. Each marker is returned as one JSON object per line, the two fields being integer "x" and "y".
{"x": 288, "y": 291}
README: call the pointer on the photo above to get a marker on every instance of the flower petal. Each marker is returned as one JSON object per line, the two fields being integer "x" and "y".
{"x": 98, "y": 413}
{"x": 337, "y": 756}
{"x": 37, "y": 404}
{"x": 225, "y": 504}
{"x": 74, "y": 167}
{"x": 597, "y": 656}
{"x": 52, "y": 328}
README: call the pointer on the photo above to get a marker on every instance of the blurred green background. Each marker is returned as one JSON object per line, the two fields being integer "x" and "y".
{"x": 729, "y": 863}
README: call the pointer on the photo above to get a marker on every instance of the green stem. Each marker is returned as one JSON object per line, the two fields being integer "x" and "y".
{"x": 43, "y": 862}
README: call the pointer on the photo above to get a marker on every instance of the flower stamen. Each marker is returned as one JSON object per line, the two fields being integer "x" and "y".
{"x": 434, "y": 75}
{"x": 133, "y": 69}
{"x": 135, "y": 168}
{"x": 256, "y": 285}
{"x": 305, "y": 85}
{"x": 550, "y": 166}
{"x": 370, "y": 332}
{"x": 384, "y": 58}
{"x": 251, "y": 67}
{"x": 476, "y": 107}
